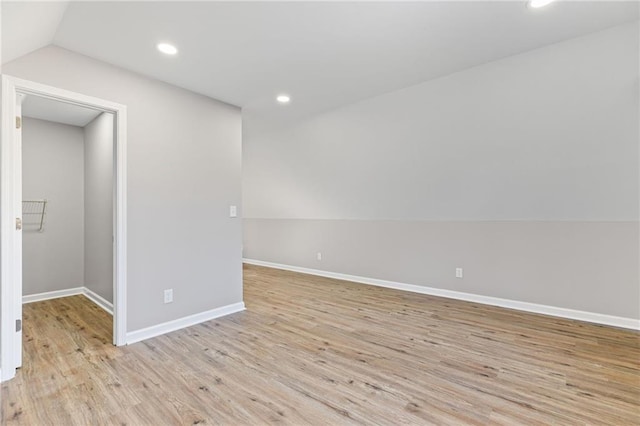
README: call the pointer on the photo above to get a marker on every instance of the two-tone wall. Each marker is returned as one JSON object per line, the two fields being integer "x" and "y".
{"x": 523, "y": 172}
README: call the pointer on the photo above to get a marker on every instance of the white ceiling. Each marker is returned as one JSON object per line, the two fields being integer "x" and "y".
{"x": 324, "y": 54}
{"x": 57, "y": 111}
{"x": 28, "y": 26}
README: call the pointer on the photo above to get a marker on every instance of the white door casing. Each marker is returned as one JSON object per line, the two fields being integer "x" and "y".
{"x": 11, "y": 208}
{"x": 17, "y": 241}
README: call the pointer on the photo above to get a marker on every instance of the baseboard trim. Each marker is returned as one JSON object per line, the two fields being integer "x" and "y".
{"x": 98, "y": 300}
{"x": 38, "y": 297}
{"x": 591, "y": 317}
{"x": 89, "y": 294}
{"x": 169, "y": 326}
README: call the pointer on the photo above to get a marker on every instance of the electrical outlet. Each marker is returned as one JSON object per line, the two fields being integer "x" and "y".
{"x": 319, "y": 256}
{"x": 233, "y": 211}
{"x": 458, "y": 272}
{"x": 168, "y": 296}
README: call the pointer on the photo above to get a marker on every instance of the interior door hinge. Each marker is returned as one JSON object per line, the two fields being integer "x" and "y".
{"x": 18, "y": 224}
{"x": 18, "y": 122}
{"x": 18, "y": 325}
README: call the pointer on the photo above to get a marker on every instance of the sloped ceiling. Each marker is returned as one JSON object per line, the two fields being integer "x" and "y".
{"x": 324, "y": 54}
{"x": 28, "y": 26}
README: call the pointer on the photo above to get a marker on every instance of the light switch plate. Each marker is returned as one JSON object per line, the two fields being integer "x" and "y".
{"x": 233, "y": 211}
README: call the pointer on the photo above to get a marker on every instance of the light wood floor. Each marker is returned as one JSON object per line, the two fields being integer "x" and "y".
{"x": 312, "y": 350}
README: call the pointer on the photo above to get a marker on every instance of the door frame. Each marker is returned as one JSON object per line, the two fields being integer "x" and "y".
{"x": 11, "y": 209}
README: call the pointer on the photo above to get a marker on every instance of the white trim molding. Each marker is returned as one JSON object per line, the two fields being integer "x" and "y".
{"x": 39, "y": 297}
{"x": 120, "y": 228}
{"x": 98, "y": 300}
{"x": 555, "y": 311}
{"x": 86, "y": 292}
{"x": 188, "y": 321}
{"x": 8, "y": 214}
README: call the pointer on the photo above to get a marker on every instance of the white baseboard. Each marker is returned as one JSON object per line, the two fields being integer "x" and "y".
{"x": 592, "y": 317}
{"x": 169, "y": 326}
{"x": 52, "y": 295}
{"x": 145, "y": 333}
{"x": 98, "y": 300}
{"x": 89, "y": 294}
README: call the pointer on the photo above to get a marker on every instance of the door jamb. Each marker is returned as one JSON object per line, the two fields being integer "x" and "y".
{"x": 9, "y": 210}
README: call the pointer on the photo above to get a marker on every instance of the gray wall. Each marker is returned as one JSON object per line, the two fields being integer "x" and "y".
{"x": 184, "y": 155}
{"x": 523, "y": 171}
{"x": 53, "y": 169}
{"x": 98, "y": 205}
{"x": 548, "y": 262}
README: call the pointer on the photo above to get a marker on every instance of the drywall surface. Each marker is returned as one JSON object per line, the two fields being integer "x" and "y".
{"x": 53, "y": 169}
{"x": 184, "y": 165}
{"x": 562, "y": 264}
{"x": 491, "y": 169}
{"x": 547, "y": 135}
{"x": 98, "y": 205}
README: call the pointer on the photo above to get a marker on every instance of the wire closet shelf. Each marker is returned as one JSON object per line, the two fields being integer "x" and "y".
{"x": 33, "y": 212}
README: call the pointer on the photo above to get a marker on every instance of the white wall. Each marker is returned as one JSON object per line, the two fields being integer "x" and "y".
{"x": 184, "y": 155}
{"x": 53, "y": 169}
{"x": 98, "y": 205}
{"x": 524, "y": 171}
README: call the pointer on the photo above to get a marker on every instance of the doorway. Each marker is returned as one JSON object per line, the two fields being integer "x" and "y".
{"x": 67, "y": 219}
{"x": 19, "y": 215}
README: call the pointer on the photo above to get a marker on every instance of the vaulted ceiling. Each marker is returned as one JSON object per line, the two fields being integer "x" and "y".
{"x": 324, "y": 54}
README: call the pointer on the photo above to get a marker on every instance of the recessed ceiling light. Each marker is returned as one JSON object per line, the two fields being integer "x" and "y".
{"x": 167, "y": 48}
{"x": 283, "y": 99}
{"x": 535, "y": 4}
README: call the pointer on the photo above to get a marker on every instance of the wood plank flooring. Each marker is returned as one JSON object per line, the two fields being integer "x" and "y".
{"x": 312, "y": 350}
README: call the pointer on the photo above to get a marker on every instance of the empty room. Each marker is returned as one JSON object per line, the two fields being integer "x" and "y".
{"x": 324, "y": 213}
